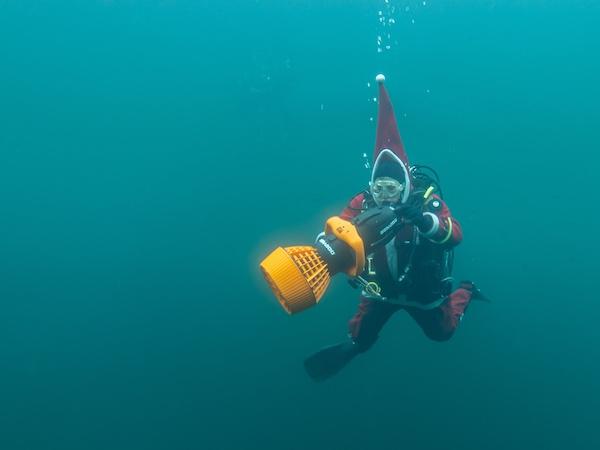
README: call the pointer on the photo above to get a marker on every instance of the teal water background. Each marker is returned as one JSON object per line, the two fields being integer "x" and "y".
{"x": 153, "y": 152}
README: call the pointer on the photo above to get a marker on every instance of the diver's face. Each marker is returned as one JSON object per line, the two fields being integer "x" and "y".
{"x": 386, "y": 191}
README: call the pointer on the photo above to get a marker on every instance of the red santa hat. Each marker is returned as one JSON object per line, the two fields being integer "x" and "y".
{"x": 389, "y": 157}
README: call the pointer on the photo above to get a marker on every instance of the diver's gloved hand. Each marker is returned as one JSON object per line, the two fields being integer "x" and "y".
{"x": 413, "y": 213}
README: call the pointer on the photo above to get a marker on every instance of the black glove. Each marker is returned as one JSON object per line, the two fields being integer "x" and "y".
{"x": 413, "y": 213}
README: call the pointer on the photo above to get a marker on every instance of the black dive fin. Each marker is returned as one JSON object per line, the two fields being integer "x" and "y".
{"x": 329, "y": 361}
{"x": 476, "y": 292}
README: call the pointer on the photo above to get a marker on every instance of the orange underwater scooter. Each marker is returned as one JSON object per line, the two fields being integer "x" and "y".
{"x": 300, "y": 275}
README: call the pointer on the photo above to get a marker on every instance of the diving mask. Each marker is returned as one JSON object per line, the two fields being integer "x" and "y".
{"x": 386, "y": 190}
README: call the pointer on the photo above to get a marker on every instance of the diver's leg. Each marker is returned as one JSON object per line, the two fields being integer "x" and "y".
{"x": 364, "y": 330}
{"x": 365, "y": 325}
{"x": 439, "y": 324}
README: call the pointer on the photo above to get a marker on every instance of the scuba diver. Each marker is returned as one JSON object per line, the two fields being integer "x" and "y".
{"x": 412, "y": 270}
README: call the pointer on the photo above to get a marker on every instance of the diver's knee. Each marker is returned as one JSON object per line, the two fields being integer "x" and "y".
{"x": 440, "y": 336}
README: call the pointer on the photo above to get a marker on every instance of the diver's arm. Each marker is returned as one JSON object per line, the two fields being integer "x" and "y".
{"x": 353, "y": 208}
{"x": 442, "y": 228}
